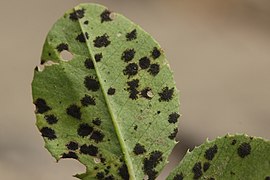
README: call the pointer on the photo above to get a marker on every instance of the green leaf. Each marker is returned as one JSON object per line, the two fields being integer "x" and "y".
{"x": 114, "y": 105}
{"x": 229, "y": 157}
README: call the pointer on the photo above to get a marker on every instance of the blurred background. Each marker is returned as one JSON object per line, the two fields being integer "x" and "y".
{"x": 219, "y": 51}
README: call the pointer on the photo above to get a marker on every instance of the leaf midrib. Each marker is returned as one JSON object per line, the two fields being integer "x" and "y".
{"x": 115, "y": 124}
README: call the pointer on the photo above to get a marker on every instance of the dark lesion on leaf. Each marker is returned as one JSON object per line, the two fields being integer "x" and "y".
{"x": 139, "y": 149}
{"x": 123, "y": 172}
{"x": 149, "y": 164}
{"x": 111, "y": 91}
{"x": 166, "y": 94}
{"x": 244, "y": 150}
{"x": 82, "y": 37}
{"x": 61, "y": 47}
{"x": 197, "y": 170}
{"x": 102, "y": 41}
{"x": 41, "y": 106}
{"x": 173, "y": 117}
{"x": 97, "y": 136}
{"x": 88, "y": 100}
{"x": 173, "y": 134}
{"x": 72, "y": 145}
{"x": 144, "y": 62}
{"x": 88, "y": 63}
{"x": 105, "y": 16}
{"x": 131, "y": 69}
{"x": 51, "y": 119}
{"x": 147, "y": 93}
{"x": 91, "y": 83}
{"x": 78, "y": 14}
{"x": 211, "y": 152}
{"x": 131, "y": 35}
{"x": 74, "y": 111}
{"x": 89, "y": 150}
{"x": 154, "y": 69}
{"x": 48, "y": 133}
{"x": 70, "y": 154}
{"x": 156, "y": 53}
{"x": 84, "y": 130}
{"x": 97, "y": 122}
{"x": 98, "y": 57}
{"x": 128, "y": 55}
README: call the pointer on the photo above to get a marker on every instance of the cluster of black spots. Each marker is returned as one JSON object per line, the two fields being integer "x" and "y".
{"x": 86, "y": 22}
{"x": 97, "y": 122}
{"x": 150, "y": 163}
{"x": 89, "y": 150}
{"x": 128, "y": 55}
{"x": 173, "y": 134}
{"x": 97, "y": 136}
{"x": 123, "y": 172}
{"x": 82, "y": 37}
{"x": 131, "y": 35}
{"x": 84, "y": 130}
{"x": 139, "y": 149}
{"x": 145, "y": 93}
{"x": 267, "y": 178}
{"x": 102, "y": 41}
{"x": 133, "y": 85}
{"x": 61, "y": 47}
{"x": 211, "y": 152}
{"x": 131, "y": 69}
{"x": 88, "y": 100}
{"x": 154, "y": 69}
{"x": 197, "y": 170}
{"x": 91, "y": 83}
{"x": 166, "y": 94}
{"x": 72, "y": 145}
{"x": 233, "y": 142}
{"x": 51, "y": 119}
{"x": 110, "y": 177}
{"x": 74, "y": 111}
{"x": 173, "y": 117}
{"x": 105, "y": 16}
{"x": 206, "y": 166}
{"x": 98, "y": 57}
{"x": 156, "y": 53}
{"x": 244, "y": 150}
{"x": 41, "y": 106}
{"x": 78, "y": 14}
{"x": 48, "y": 133}
{"x": 88, "y": 63}
{"x": 144, "y": 62}
{"x": 111, "y": 91}
{"x": 70, "y": 154}
{"x": 178, "y": 177}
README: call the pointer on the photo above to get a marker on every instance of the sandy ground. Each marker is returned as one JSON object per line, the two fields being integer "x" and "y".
{"x": 219, "y": 51}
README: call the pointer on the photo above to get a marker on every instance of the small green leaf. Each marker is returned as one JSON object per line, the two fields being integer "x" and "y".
{"x": 112, "y": 102}
{"x": 229, "y": 157}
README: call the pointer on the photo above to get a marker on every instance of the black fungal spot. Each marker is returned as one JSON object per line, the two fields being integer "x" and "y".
{"x": 41, "y": 106}
{"x": 128, "y": 55}
{"x": 135, "y": 127}
{"x": 51, "y": 119}
{"x": 97, "y": 121}
{"x": 111, "y": 91}
{"x": 70, "y": 154}
{"x": 144, "y": 62}
{"x": 102, "y": 41}
{"x": 267, "y": 178}
{"x": 74, "y": 111}
{"x": 98, "y": 57}
{"x": 233, "y": 142}
{"x": 88, "y": 100}
{"x": 173, "y": 117}
{"x": 48, "y": 133}
{"x": 89, "y": 150}
{"x": 206, "y": 166}
{"x": 133, "y": 94}
{"x": 97, "y": 136}
{"x": 61, "y": 47}
{"x": 178, "y": 177}
{"x": 244, "y": 150}
{"x": 123, "y": 172}
{"x": 86, "y": 22}
{"x": 110, "y": 177}
{"x": 139, "y": 149}
{"x": 133, "y": 84}
{"x": 166, "y": 94}
{"x": 72, "y": 145}
{"x": 84, "y": 130}
{"x": 131, "y": 69}
{"x": 100, "y": 175}
{"x": 154, "y": 69}
{"x": 88, "y": 63}
{"x": 82, "y": 37}
{"x": 91, "y": 84}
{"x": 173, "y": 134}
{"x": 43, "y": 61}
{"x": 158, "y": 112}
{"x": 131, "y": 35}
{"x": 156, "y": 53}
{"x": 145, "y": 93}
{"x": 78, "y": 14}
{"x": 211, "y": 152}
{"x": 197, "y": 170}
{"x": 211, "y": 178}
{"x": 150, "y": 163}
{"x": 105, "y": 16}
